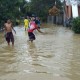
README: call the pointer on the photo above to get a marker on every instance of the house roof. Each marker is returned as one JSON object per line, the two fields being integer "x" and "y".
{"x": 54, "y": 10}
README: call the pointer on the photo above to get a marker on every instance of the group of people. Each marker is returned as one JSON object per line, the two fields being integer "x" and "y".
{"x": 28, "y": 20}
{"x": 30, "y": 25}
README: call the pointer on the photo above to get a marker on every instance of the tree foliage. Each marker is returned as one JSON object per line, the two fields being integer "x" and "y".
{"x": 10, "y": 9}
{"x": 76, "y": 25}
{"x": 41, "y": 7}
{"x": 16, "y": 8}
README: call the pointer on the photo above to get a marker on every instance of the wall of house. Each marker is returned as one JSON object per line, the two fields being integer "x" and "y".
{"x": 68, "y": 11}
{"x": 79, "y": 10}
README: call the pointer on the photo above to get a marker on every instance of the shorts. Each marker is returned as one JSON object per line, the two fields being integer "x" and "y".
{"x": 26, "y": 26}
{"x": 9, "y": 37}
{"x": 31, "y": 36}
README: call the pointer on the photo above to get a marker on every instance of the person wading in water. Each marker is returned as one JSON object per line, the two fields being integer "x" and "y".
{"x": 8, "y": 32}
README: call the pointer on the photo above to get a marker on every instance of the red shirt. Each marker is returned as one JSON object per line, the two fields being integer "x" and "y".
{"x": 32, "y": 27}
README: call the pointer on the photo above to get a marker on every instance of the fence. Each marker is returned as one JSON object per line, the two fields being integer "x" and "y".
{"x": 59, "y": 19}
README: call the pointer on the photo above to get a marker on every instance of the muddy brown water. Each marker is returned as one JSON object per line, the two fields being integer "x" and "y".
{"x": 53, "y": 56}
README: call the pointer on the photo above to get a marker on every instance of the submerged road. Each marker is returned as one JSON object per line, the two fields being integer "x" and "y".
{"x": 53, "y": 56}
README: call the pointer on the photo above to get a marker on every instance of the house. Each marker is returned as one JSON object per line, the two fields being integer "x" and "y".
{"x": 54, "y": 11}
{"x": 72, "y": 8}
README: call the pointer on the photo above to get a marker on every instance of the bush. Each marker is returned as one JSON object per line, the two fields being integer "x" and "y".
{"x": 76, "y": 25}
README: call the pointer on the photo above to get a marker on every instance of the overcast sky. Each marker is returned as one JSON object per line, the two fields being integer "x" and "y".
{"x": 28, "y": 0}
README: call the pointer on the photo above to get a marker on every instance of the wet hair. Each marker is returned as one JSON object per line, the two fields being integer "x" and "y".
{"x": 7, "y": 20}
{"x": 36, "y": 22}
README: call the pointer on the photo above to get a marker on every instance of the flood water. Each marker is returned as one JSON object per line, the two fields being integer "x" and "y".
{"x": 53, "y": 56}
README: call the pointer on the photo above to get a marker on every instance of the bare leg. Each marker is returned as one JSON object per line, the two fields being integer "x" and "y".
{"x": 8, "y": 43}
{"x": 12, "y": 44}
{"x": 25, "y": 29}
{"x": 31, "y": 40}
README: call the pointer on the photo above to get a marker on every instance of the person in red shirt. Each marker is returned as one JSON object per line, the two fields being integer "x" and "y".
{"x": 33, "y": 26}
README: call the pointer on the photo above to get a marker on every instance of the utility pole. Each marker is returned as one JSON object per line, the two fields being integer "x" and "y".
{"x": 64, "y": 12}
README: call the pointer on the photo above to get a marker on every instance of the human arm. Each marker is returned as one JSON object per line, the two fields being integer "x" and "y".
{"x": 44, "y": 33}
{"x": 14, "y": 30}
{"x": 39, "y": 30}
{"x": 4, "y": 28}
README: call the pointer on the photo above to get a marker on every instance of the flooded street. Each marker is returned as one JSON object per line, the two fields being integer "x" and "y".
{"x": 53, "y": 56}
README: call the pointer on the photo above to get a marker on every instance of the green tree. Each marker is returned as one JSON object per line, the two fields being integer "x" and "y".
{"x": 41, "y": 7}
{"x": 10, "y": 9}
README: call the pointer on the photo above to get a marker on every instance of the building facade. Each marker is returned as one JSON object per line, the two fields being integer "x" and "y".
{"x": 72, "y": 8}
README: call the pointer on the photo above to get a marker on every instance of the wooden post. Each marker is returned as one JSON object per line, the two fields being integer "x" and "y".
{"x": 64, "y": 14}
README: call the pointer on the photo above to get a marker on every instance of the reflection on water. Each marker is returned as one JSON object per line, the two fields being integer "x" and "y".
{"x": 53, "y": 56}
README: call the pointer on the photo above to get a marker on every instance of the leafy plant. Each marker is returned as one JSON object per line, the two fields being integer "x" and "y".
{"x": 11, "y": 9}
{"x": 76, "y": 25}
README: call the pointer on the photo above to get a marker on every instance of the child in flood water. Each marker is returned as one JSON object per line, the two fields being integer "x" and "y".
{"x": 33, "y": 26}
{"x": 8, "y": 32}
{"x": 26, "y": 23}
